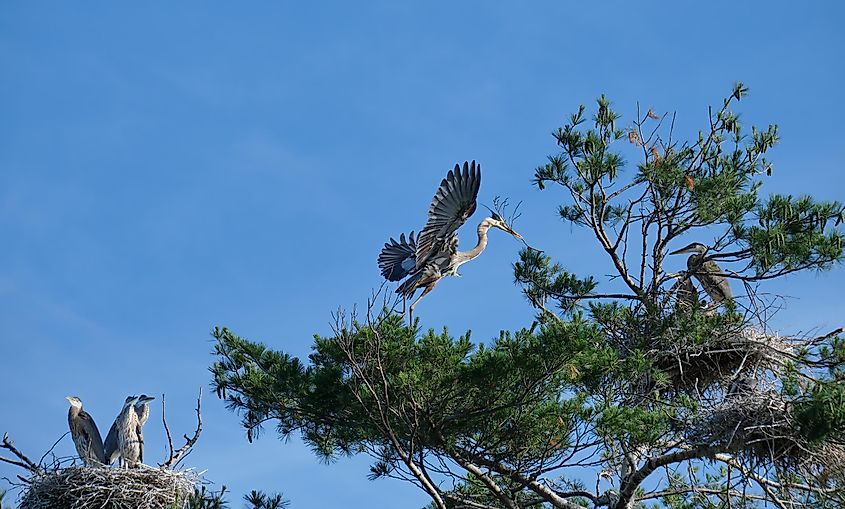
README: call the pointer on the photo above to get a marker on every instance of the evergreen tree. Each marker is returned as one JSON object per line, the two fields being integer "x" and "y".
{"x": 623, "y": 393}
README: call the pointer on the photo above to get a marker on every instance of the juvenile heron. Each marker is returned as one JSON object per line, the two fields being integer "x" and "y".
{"x": 685, "y": 293}
{"x": 111, "y": 446}
{"x": 83, "y": 430}
{"x": 127, "y": 434}
{"x": 434, "y": 254}
{"x": 142, "y": 410}
{"x": 707, "y": 272}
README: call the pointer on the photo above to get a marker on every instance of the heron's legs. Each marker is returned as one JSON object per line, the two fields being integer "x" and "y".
{"x": 423, "y": 294}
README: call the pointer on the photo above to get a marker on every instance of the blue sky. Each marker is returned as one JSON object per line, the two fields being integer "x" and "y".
{"x": 168, "y": 168}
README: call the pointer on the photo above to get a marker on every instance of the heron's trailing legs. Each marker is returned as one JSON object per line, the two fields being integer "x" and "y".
{"x": 423, "y": 294}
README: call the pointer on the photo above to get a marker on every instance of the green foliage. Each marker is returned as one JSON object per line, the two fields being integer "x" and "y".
{"x": 259, "y": 500}
{"x": 820, "y": 412}
{"x": 624, "y": 379}
{"x": 205, "y": 499}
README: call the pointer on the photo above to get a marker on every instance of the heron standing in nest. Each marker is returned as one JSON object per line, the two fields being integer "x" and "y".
{"x": 128, "y": 444}
{"x": 83, "y": 430}
{"x": 434, "y": 254}
{"x": 142, "y": 410}
{"x": 707, "y": 272}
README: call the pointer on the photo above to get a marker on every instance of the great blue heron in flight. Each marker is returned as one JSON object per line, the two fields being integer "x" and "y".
{"x": 83, "y": 430}
{"x": 707, "y": 272}
{"x": 434, "y": 254}
{"x": 128, "y": 444}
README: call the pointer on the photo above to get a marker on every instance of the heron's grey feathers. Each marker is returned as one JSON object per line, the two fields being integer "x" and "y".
{"x": 111, "y": 449}
{"x": 398, "y": 258}
{"x": 86, "y": 437}
{"x": 708, "y": 274}
{"x": 453, "y": 203}
{"x": 437, "y": 267}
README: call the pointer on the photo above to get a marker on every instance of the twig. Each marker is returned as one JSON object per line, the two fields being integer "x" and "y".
{"x": 176, "y": 457}
{"x": 41, "y": 461}
{"x": 25, "y": 461}
{"x": 166, "y": 428}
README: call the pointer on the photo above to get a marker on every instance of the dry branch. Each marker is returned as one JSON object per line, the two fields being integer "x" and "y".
{"x": 24, "y": 462}
{"x": 176, "y": 457}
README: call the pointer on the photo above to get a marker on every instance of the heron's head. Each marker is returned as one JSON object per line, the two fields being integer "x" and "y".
{"x": 144, "y": 399}
{"x": 130, "y": 400}
{"x": 74, "y": 401}
{"x": 496, "y": 221}
{"x": 695, "y": 247}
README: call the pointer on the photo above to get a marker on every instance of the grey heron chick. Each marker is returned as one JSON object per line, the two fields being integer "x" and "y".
{"x": 707, "y": 272}
{"x": 434, "y": 254}
{"x": 83, "y": 430}
{"x": 111, "y": 446}
{"x": 685, "y": 293}
{"x": 128, "y": 443}
{"x": 142, "y": 410}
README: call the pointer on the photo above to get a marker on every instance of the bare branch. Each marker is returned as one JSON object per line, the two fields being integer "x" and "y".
{"x": 24, "y": 462}
{"x": 176, "y": 457}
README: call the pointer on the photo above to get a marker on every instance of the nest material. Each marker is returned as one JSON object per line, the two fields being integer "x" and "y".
{"x": 109, "y": 488}
{"x": 718, "y": 360}
{"x": 757, "y": 426}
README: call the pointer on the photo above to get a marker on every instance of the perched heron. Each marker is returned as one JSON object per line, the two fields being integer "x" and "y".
{"x": 685, "y": 293}
{"x": 142, "y": 410}
{"x": 111, "y": 445}
{"x": 128, "y": 444}
{"x": 707, "y": 272}
{"x": 434, "y": 254}
{"x": 83, "y": 430}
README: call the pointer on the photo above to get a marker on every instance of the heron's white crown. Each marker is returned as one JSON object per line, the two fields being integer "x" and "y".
{"x": 74, "y": 401}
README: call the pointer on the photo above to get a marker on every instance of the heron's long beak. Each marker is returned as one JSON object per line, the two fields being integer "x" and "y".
{"x": 511, "y": 231}
{"x": 148, "y": 398}
{"x": 682, "y": 251}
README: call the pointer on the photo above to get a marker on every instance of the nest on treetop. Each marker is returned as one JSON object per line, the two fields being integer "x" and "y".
{"x": 696, "y": 365}
{"x": 758, "y": 426}
{"x": 99, "y": 487}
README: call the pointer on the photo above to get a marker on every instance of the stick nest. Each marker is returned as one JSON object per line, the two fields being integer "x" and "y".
{"x": 758, "y": 426}
{"x": 699, "y": 364}
{"x": 109, "y": 488}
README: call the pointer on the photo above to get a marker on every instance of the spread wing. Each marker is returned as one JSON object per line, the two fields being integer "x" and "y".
{"x": 453, "y": 203}
{"x": 398, "y": 258}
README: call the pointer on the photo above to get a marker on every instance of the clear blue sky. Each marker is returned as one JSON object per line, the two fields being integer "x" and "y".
{"x": 167, "y": 168}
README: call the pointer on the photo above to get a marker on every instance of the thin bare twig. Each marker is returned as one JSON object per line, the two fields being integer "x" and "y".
{"x": 24, "y": 462}
{"x": 176, "y": 457}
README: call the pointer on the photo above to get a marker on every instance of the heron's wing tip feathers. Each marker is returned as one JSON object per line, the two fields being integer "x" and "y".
{"x": 395, "y": 256}
{"x": 453, "y": 203}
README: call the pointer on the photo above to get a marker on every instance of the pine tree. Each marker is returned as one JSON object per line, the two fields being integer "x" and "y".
{"x": 638, "y": 390}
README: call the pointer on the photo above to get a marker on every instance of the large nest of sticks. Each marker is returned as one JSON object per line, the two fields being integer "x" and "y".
{"x": 699, "y": 364}
{"x": 109, "y": 488}
{"x": 757, "y": 425}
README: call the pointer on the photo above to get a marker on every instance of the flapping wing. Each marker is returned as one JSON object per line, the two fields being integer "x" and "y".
{"x": 452, "y": 205}
{"x": 398, "y": 258}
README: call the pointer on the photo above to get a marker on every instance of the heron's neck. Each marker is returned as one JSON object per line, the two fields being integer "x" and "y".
{"x": 466, "y": 256}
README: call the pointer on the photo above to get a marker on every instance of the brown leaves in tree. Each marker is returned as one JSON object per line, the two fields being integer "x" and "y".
{"x": 690, "y": 182}
{"x": 634, "y": 137}
{"x": 652, "y": 115}
{"x": 655, "y": 153}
